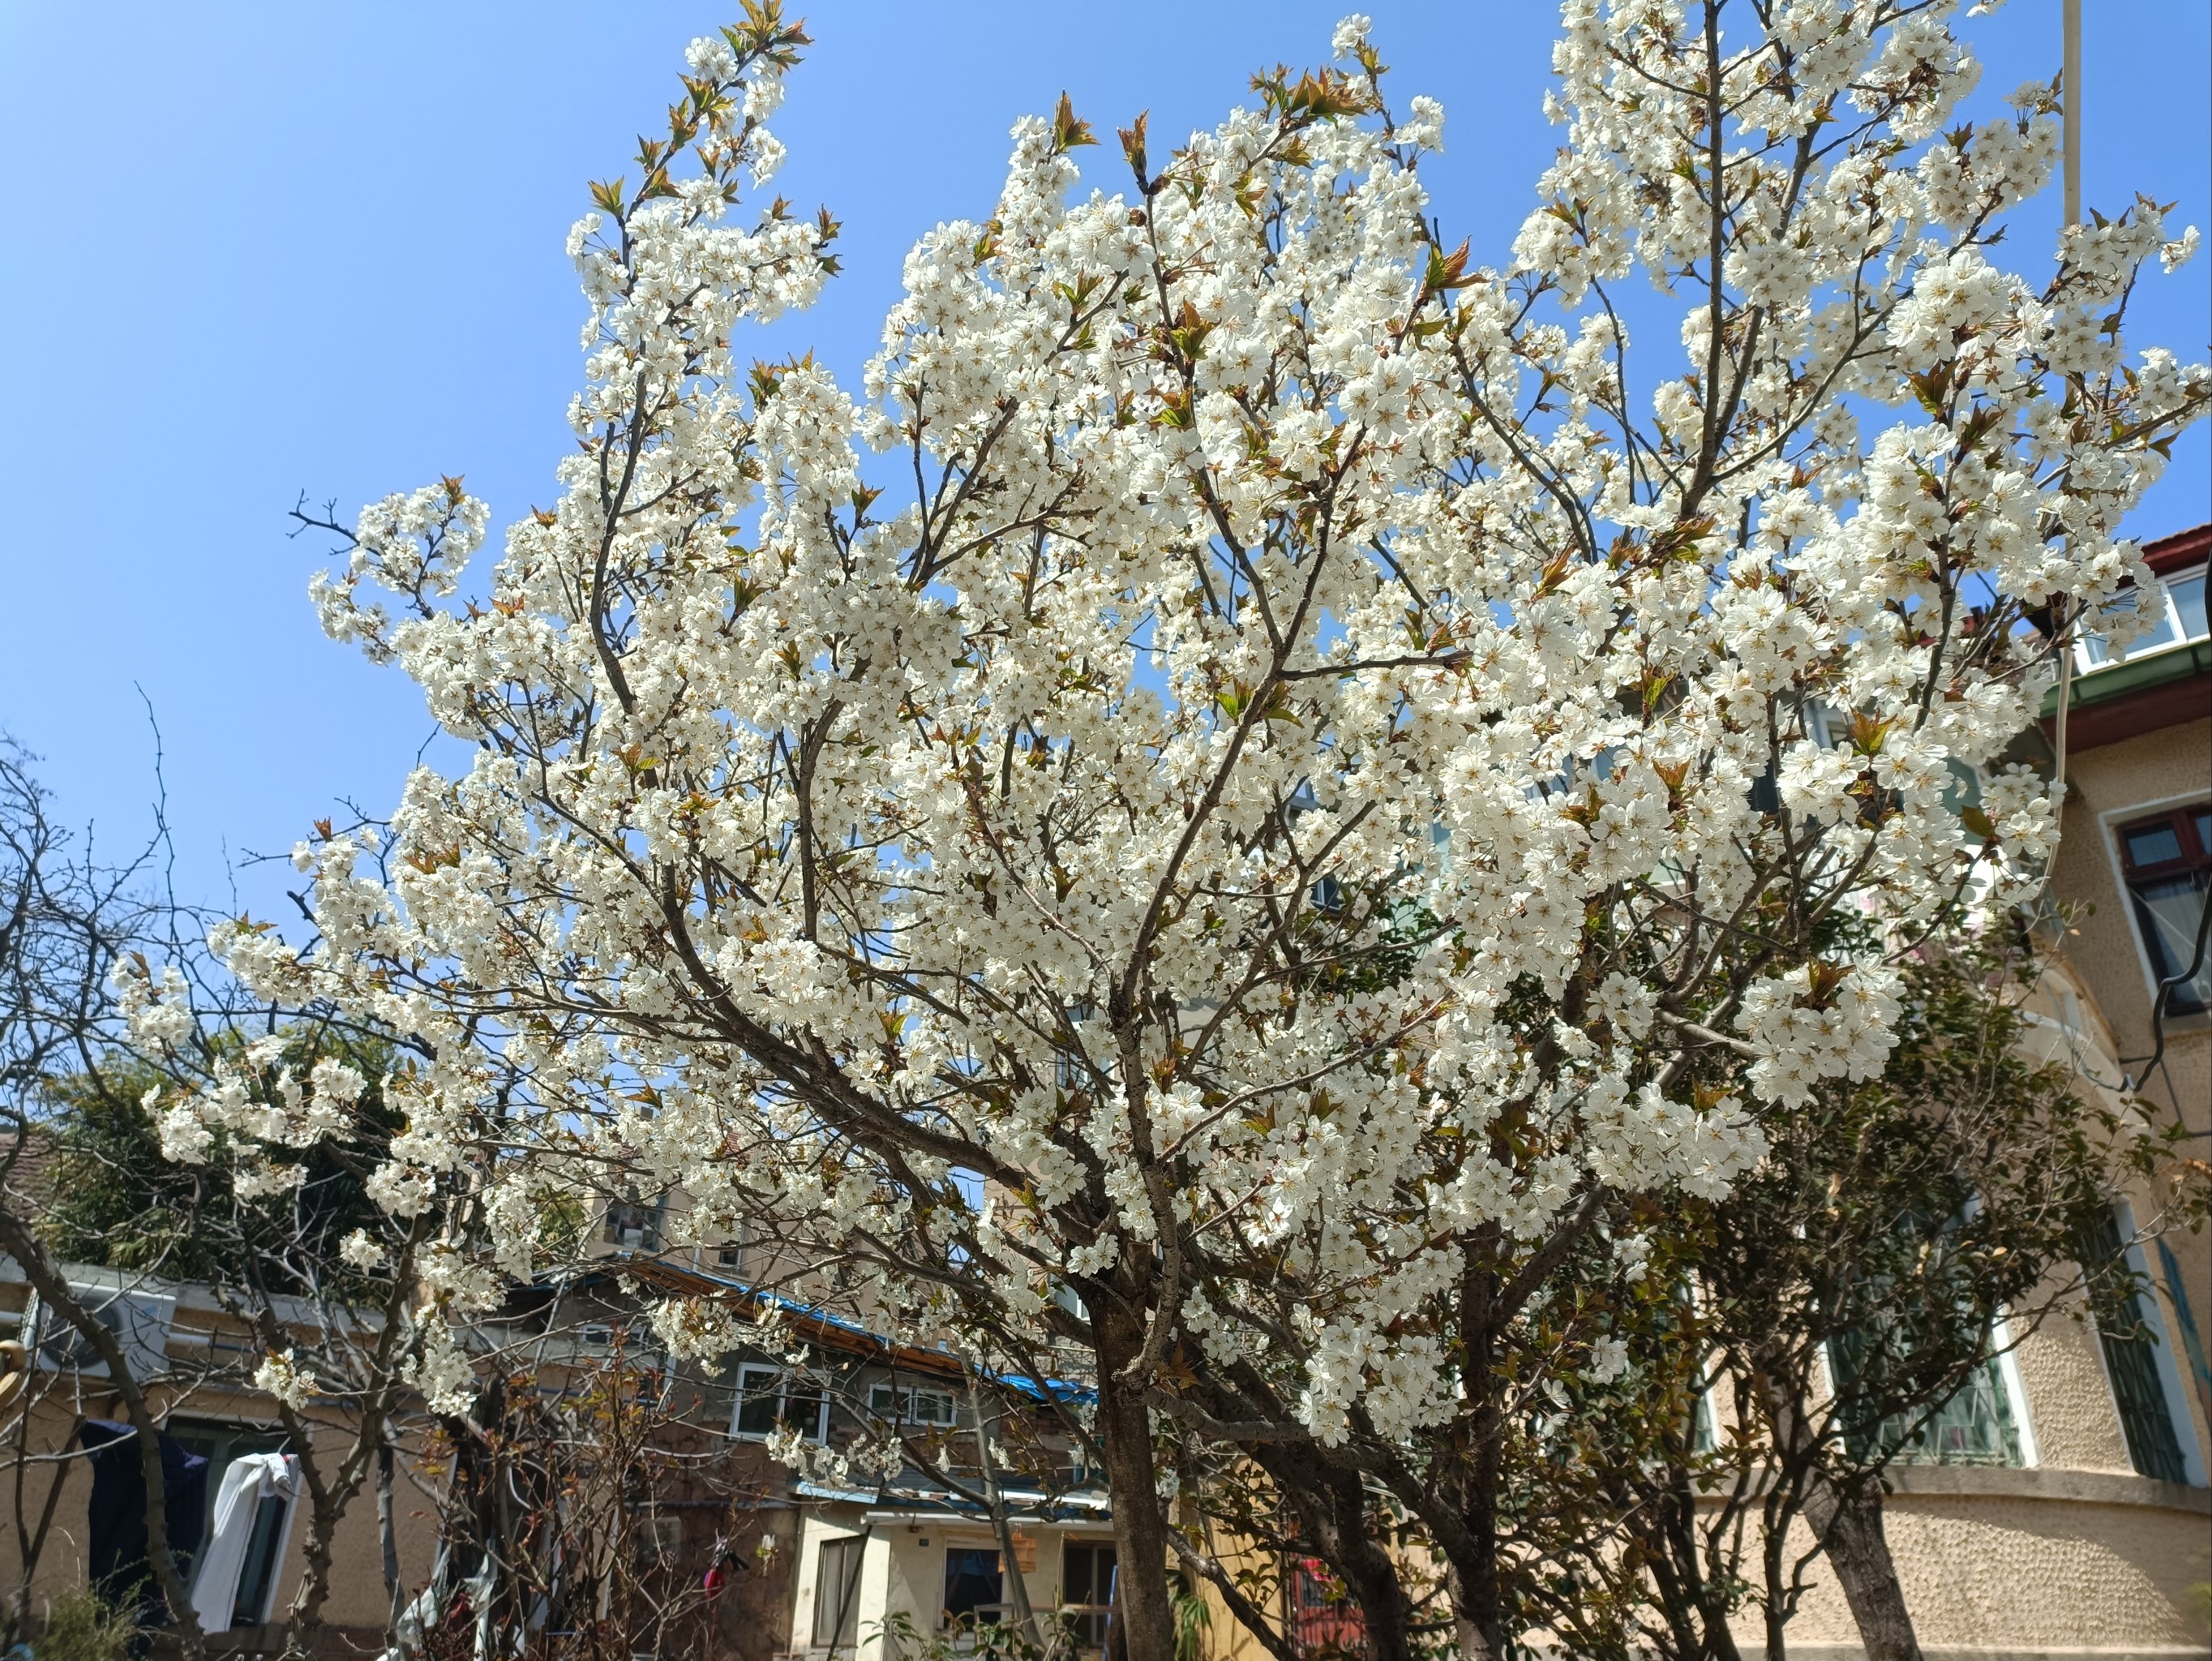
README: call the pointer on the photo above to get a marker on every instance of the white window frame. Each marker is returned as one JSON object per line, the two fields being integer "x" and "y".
{"x": 882, "y": 1397}
{"x": 750, "y": 1370}
{"x": 2085, "y": 664}
{"x": 2015, "y": 1389}
{"x": 2108, "y": 826}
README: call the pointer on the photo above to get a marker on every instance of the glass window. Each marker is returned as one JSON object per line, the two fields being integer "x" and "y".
{"x": 1883, "y": 1404}
{"x": 635, "y": 1226}
{"x": 910, "y": 1406}
{"x": 2188, "y": 595}
{"x": 2131, "y": 1354}
{"x": 2168, "y": 863}
{"x": 1973, "y": 1427}
{"x": 2153, "y": 844}
{"x": 975, "y": 1588}
{"x": 837, "y": 1593}
{"x": 1086, "y": 1592}
{"x": 220, "y": 1444}
{"x": 2157, "y": 625}
{"x": 769, "y": 1399}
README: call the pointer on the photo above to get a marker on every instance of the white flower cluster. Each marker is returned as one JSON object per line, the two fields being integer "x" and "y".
{"x": 1815, "y": 1023}
{"x": 700, "y": 1331}
{"x": 280, "y": 1375}
{"x": 441, "y": 1370}
{"x": 1329, "y": 768}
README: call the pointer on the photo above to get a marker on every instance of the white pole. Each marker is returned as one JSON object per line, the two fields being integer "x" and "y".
{"x": 2070, "y": 84}
{"x": 2071, "y": 61}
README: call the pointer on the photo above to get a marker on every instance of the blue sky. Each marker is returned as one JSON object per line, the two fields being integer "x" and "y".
{"x": 258, "y": 249}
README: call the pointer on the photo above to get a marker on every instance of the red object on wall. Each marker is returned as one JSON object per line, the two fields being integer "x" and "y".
{"x": 1325, "y": 1623}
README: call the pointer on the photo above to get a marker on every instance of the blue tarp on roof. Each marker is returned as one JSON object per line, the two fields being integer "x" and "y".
{"x": 646, "y": 1268}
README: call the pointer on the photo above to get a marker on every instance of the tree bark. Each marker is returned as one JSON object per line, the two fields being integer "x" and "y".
{"x": 1146, "y": 1612}
{"x": 1332, "y": 1515}
{"x": 388, "y": 1534}
{"x": 1848, "y": 1525}
{"x": 1472, "y": 1488}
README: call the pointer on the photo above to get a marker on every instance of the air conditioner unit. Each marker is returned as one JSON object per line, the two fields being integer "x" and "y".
{"x": 141, "y": 1322}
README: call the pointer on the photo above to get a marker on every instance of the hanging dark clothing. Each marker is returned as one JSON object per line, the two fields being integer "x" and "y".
{"x": 116, "y": 1523}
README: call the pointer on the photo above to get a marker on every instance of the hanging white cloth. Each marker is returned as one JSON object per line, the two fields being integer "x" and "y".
{"x": 246, "y": 1482}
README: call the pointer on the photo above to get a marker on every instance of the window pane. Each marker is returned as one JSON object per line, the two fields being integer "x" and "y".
{"x": 932, "y": 1407}
{"x": 2189, "y": 602}
{"x": 2153, "y": 844}
{"x": 973, "y": 1586}
{"x": 2192, "y": 1342}
{"x": 2171, "y": 910}
{"x": 2130, "y": 1358}
{"x": 757, "y": 1396}
{"x": 836, "y": 1593}
{"x": 258, "y": 1578}
{"x": 2158, "y": 626}
{"x": 802, "y": 1411}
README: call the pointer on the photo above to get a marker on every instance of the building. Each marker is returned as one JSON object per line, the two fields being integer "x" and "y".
{"x": 2065, "y": 1511}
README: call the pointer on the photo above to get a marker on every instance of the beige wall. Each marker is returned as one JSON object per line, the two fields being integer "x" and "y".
{"x": 902, "y": 1566}
{"x": 356, "y": 1578}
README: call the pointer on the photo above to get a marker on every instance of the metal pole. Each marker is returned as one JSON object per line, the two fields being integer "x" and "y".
{"x": 2071, "y": 61}
{"x": 2070, "y": 115}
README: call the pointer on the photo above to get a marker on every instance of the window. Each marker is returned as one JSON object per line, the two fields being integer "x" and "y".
{"x": 1086, "y": 1592}
{"x": 911, "y": 1406}
{"x": 727, "y": 1257}
{"x": 2172, "y": 610}
{"x": 636, "y": 1226}
{"x": 769, "y": 1398}
{"x": 1974, "y": 1427}
{"x": 220, "y": 1444}
{"x": 2192, "y": 1342}
{"x": 975, "y": 1586}
{"x": 837, "y": 1593}
{"x": 2167, "y": 861}
{"x": 2131, "y": 1349}
{"x": 1884, "y": 1401}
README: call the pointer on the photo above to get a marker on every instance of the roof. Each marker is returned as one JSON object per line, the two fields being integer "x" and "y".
{"x": 836, "y": 1331}
{"x": 2180, "y": 550}
{"x": 2167, "y": 686}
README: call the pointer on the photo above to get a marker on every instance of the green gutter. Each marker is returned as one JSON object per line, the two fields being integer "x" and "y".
{"x": 2117, "y": 680}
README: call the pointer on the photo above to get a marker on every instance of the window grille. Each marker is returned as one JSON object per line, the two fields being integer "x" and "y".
{"x": 2131, "y": 1354}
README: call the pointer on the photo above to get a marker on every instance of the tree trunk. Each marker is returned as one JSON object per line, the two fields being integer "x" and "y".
{"x": 1146, "y": 1613}
{"x": 1015, "y": 1581}
{"x": 1848, "y": 1525}
{"x": 1476, "y": 1594}
{"x": 388, "y": 1534}
{"x": 1332, "y": 1515}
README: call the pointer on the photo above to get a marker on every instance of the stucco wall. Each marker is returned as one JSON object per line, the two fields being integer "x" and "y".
{"x": 902, "y": 1566}
{"x": 356, "y": 1596}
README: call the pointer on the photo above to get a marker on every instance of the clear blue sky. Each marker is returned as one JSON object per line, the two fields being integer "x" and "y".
{"x": 256, "y": 248}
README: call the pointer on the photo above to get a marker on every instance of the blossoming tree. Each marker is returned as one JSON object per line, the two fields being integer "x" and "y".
{"x": 1253, "y": 750}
